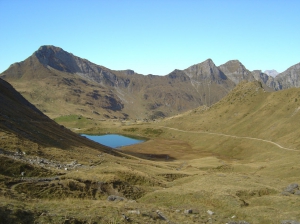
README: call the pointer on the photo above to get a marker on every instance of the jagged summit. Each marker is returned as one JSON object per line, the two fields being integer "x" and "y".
{"x": 236, "y": 71}
{"x": 62, "y": 60}
{"x": 206, "y": 70}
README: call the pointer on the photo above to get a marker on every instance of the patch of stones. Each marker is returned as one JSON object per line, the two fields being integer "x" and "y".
{"x": 209, "y": 217}
{"x": 42, "y": 162}
{"x": 238, "y": 222}
{"x": 291, "y": 189}
{"x": 115, "y": 198}
{"x": 289, "y": 222}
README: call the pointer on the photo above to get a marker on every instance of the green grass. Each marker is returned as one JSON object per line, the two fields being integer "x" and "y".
{"x": 74, "y": 120}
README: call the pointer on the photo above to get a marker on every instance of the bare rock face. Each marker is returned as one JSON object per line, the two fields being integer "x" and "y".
{"x": 57, "y": 58}
{"x": 206, "y": 70}
{"x": 236, "y": 71}
{"x": 289, "y": 78}
{"x": 269, "y": 81}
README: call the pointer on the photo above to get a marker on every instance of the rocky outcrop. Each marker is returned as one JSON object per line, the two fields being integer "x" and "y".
{"x": 236, "y": 71}
{"x": 289, "y": 78}
{"x": 267, "y": 80}
{"x": 291, "y": 189}
{"x": 205, "y": 71}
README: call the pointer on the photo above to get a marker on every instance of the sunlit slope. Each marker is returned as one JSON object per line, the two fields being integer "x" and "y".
{"x": 249, "y": 111}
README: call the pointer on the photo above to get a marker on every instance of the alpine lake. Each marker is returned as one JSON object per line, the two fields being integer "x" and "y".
{"x": 113, "y": 140}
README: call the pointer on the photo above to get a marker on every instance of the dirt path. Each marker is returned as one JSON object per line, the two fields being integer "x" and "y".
{"x": 231, "y": 136}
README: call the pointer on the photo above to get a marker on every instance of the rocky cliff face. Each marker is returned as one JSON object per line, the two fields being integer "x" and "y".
{"x": 205, "y": 71}
{"x": 289, "y": 78}
{"x": 236, "y": 71}
{"x": 267, "y": 80}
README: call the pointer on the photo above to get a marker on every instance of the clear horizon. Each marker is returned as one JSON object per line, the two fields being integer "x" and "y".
{"x": 155, "y": 37}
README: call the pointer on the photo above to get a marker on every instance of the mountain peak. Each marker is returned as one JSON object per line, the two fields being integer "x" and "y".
{"x": 56, "y": 58}
{"x": 236, "y": 71}
{"x": 48, "y": 47}
{"x": 271, "y": 72}
{"x": 206, "y": 70}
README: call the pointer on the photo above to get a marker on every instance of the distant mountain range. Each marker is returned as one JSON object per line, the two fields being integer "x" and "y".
{"x": 271, "y": 72}
{"x": 59, "y": 83}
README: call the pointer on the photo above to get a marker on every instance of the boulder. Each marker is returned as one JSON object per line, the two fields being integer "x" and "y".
{"x": 297, "y": 192}
{"x": 115, "y": 198}
{"x": 292, "y": 188}
{"x": 188, "y": 211}
{"x": 210, "y": 212}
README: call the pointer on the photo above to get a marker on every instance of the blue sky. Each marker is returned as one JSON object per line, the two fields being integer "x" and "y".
{"x": 157, "y": 36}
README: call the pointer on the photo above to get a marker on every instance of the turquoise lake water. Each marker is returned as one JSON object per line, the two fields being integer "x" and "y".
{"x": 113, "y": 140}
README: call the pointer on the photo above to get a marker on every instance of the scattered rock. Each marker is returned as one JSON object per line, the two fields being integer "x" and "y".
{"x": 289, "y": 222}
{"x": 297, "y": 192}
{"x": 238, "y": 222}
{"x": 134, "y": 212}
{"x": 126, "y": 218}
{"x": 210, "y": 212}
{"x": 291, "y": 189}
{"x": 188, "y": 211}
{"x": 285, "y": 193}
{"x": 115, "y": 198}
{"x": 162, "y": 216}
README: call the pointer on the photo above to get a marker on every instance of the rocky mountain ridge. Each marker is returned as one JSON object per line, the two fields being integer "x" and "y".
{"x": 96, "y": 91}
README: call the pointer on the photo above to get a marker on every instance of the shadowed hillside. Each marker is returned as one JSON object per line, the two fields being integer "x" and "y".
{"x": 23, "y": 120}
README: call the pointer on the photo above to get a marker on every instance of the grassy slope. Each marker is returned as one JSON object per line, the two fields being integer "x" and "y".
{"x": 236, "y": 169}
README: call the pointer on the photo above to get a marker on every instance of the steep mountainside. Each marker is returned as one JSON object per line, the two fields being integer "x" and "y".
{"x": 60, "y": 83}
{"x": 21, "y": 119}
{"x": 268, "y": 82}
{"x": 236, "y": 71}
{"x": 289, "y": 78}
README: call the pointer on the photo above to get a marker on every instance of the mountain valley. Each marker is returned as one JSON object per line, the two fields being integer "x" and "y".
{"x": 222, "y": 143}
